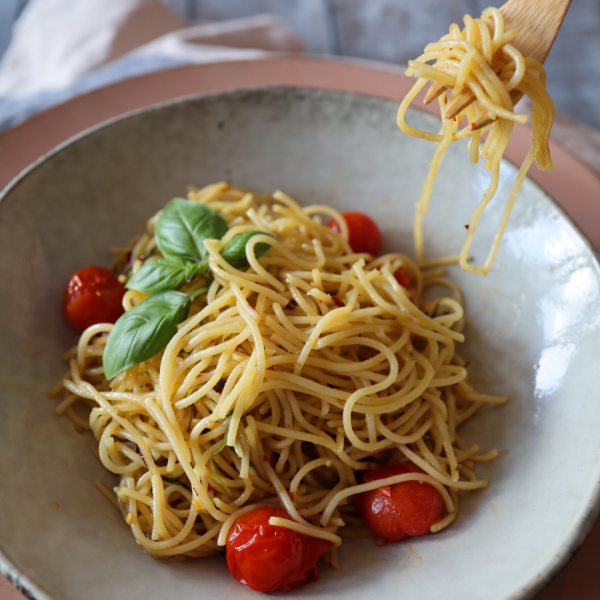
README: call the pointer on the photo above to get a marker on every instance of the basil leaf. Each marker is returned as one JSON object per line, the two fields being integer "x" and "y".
{"x": 184, "y": 225}
{"x": 143, "y": 331}
{"x": 164, "y": 274}
{"x": 235, "y": 251}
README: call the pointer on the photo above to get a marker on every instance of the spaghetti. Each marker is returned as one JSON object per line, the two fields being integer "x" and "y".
{"x": 480, "y": 59}
{"x": 287, "y": 379}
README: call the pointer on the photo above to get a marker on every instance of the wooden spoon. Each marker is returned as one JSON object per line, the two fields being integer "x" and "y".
{"x": 537, "y": 22}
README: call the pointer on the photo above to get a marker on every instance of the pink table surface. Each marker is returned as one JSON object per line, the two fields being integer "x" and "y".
{"x": 574, "y": 186}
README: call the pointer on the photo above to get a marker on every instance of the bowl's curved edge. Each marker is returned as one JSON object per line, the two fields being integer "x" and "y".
{"x": 14, "y": 182}
{"x": 567, "y": 554}
{"x": 22, "y": 582}
{"x": 595, "y": 252}
{"x": 583, "y": 529}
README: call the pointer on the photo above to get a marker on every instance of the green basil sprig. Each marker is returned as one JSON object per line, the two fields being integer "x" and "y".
{"x": 184, "y": 225}
{"x": 235, "y": 251}
{"x": 165, "y": 274}
{"x": 144, "y": 330}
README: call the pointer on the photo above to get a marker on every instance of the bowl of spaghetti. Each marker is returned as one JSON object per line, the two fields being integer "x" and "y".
{"x": 268, "y": 361}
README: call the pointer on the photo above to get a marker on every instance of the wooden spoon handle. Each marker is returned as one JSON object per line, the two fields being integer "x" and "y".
{"x": 538, "y": 22}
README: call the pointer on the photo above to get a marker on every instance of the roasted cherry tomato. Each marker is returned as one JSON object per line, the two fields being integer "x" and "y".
{"x": 395, "y": 513}
{"x": 364, "y": 234}
{"x": 402, "y": 277}
{"x": 94, "y": 295}
{"x": 267, "y": 558}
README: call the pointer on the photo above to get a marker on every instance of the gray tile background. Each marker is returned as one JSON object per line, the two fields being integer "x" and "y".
{"x": 396, "y": 30}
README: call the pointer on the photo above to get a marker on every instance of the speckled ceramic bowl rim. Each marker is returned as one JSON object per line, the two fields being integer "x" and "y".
{"x": 581, "y": 530}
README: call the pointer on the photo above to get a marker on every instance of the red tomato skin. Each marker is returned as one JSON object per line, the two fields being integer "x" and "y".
{"x": 402, "y": 277}
{"x": 267, "y": 558}
{"x": 93, "y": 295}
{"x": 407, "y": 509}
{"x": 363, "y": 232}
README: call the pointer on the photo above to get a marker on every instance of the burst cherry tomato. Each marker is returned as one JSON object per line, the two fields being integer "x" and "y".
{"x": 402, "y": 277}
{"x": 93, "y": 295}
{"x": 364, "y": 235}
{"x": 400, "y": 511}
{"x": 267, "y": 558}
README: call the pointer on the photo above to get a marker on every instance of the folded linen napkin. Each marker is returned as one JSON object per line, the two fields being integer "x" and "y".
{"x": 62, "y": 48}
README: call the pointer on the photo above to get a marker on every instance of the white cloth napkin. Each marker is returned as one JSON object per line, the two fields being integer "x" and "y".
{"x": 55, "y": 42}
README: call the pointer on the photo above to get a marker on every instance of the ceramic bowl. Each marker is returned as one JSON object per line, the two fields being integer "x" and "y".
{"x": 532, "y": 334}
